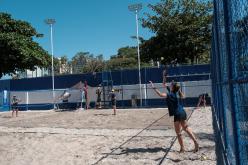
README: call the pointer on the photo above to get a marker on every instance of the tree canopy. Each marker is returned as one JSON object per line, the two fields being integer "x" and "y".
{"x": 126, "y": 58}
{"x": 85, "y": 62}
{"x": 18, "y": 51}
{"x": 182, "y": 30}
{"x": 62, "y": 65}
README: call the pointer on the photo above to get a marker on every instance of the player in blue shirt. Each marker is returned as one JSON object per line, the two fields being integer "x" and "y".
{"x": 173, "y": 98}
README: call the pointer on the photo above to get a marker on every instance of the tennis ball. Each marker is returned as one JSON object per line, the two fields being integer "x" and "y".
{"x": 203, "y": 158}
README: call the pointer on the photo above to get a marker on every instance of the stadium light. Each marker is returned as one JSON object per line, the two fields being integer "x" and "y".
{"x": 51, "y": 22}
{"x": 136, "y": 8}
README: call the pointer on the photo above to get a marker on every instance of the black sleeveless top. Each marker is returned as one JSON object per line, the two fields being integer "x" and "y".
{"x": 173, "y": 102}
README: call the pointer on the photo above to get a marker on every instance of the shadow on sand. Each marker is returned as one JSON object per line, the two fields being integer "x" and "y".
{"x": 141, "y": 150}
{"x": 103, "y": 114}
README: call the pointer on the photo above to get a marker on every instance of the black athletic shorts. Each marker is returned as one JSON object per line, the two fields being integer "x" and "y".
{"x": 181, "y": 116}
{"x": 14, "y": 106}
{"x": 113, "y": 102}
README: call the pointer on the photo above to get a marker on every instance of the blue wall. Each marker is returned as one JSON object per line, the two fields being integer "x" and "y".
{"x": 121, "y": 77}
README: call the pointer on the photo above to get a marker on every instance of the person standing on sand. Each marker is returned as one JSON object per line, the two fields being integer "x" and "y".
{"x": 82, "y": 101}
{"x": 173, "y": 99}
{"x": 14, "y": 105}
{"x": 85, "y": 88}
{"x": 98, "y": 95}
{"x": 113, "y": 100}
{"x": 202, "y": 100}
{"x": 65, "y": 99}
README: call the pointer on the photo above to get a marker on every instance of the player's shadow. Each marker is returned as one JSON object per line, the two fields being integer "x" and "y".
{"x": 127, "y": 151}
{"x": 206, "y": 136}
{"x": 101, "y": 114}
{"x": 65, "y": 110}
{"x": 207, "y": 148}
{"x": 7, "y": 117}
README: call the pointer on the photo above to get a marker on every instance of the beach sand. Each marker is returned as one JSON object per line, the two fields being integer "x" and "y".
{"x": 132, "y": 137}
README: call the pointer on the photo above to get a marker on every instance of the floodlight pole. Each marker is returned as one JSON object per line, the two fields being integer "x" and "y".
{"x": 136, "y": 8}
{"x": 51, "y": 22}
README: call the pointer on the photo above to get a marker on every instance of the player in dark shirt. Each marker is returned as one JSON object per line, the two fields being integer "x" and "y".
{"x": 173, "y": 98}
{"x": 113, "y": 100}
{"x": 98, "y": 95}
{"x": 14, "y": 104}
{"x": 85, "y": 88}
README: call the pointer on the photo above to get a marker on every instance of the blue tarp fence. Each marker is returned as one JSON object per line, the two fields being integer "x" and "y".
{"x": 35, "y": 93}
{"x": 230, "y": 80}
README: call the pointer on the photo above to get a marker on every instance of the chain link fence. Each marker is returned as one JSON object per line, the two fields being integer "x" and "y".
{"x": 230, "y": 79}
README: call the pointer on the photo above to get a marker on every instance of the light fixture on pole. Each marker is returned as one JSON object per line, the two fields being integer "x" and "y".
{"x": 51, "y": 22}
{"x": 136, "y": 8}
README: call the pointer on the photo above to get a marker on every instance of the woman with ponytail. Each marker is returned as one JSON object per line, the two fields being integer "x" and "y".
{"x": 174, "y": 97}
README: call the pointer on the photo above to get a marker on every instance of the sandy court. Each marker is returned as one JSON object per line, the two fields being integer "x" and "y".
{"x": 85, "y": 119}
{"x": 98, "y": 137}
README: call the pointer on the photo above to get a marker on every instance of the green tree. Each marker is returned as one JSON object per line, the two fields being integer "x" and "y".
{"x": 121, "y": 63}
{"x": 79, "y": 61}
{"x": 62, "y": 65}
{"x": 18, "y": 51}
{"x": 127, "y": 52}
{"x": 84, "y": 62}
{"x": 126, "y": 58}
{"x": 65, "y": 66}
{"x": 56, "y": 66}
{"x": 182, "y": 30}
{"x": 94, "y": 64}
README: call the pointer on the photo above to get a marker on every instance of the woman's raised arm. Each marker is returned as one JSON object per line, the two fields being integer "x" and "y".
{"x": 157, "y": 91}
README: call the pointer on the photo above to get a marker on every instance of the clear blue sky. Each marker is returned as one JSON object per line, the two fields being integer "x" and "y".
{"x": 96, "y": 26}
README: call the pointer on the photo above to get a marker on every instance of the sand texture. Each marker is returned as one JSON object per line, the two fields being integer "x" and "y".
{"x": 132, "y": 137}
